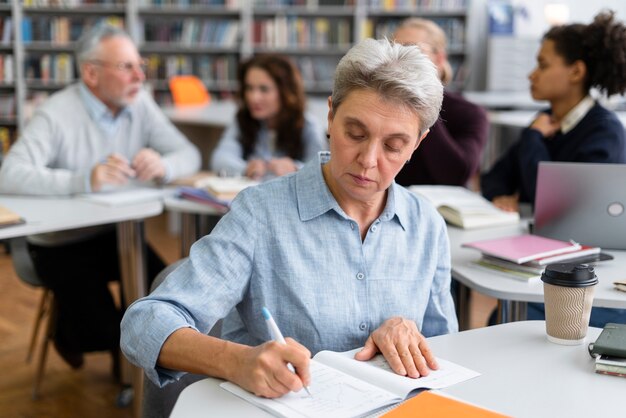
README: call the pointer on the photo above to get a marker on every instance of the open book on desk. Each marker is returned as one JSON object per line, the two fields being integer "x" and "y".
{"x": 464, "y": 208}
{"x": 343, "y": 387}
{"x": 126, "y": 196}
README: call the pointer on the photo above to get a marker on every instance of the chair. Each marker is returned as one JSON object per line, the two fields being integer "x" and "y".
{"x": 159, "y": 402}
{"x": 188, "y": 90}
{"x": 25, "y": 270}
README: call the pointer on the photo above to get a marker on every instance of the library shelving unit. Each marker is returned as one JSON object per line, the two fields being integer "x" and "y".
{"x": 8, "y": 91}
{"x": 204, "y": 37}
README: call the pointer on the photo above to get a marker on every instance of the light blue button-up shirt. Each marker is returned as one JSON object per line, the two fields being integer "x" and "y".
{"x": 287, "y": 244}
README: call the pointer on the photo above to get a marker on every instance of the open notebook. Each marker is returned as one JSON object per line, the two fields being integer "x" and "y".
{"x": 344, "y": 387}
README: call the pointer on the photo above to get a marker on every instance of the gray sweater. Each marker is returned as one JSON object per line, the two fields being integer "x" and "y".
{"x": 61, "y": 145}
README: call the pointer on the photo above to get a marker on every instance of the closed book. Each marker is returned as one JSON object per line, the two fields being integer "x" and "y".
{"x": 618, "y": 374}
{"x": 610, "y": 369}
{"x": 585, "y": 250}
{"x": 507, "y": 271}
{"x": 523, "y": 248}
{"x": 525, "y": 267}
{"x": 611, "y": 361}
{"x": 611, "y": 341}
{"x": 464, "y": 208}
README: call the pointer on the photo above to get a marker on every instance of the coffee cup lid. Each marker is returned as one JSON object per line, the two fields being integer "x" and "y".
{"x": 570, "y": 275}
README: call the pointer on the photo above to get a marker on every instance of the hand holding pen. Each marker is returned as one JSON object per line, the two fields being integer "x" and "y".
{"x": 115, "y": 170}
{"x": 301, "y": 372}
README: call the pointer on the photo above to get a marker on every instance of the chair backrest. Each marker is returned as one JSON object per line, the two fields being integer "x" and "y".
{"x": 188, "y": 90}
{"x": 22, "y": 263}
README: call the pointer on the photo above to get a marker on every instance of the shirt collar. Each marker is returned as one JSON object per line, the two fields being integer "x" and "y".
{"x": 95, "y": 108}
{"x": 314, "y": 197}
{"x": 576, "y": 114}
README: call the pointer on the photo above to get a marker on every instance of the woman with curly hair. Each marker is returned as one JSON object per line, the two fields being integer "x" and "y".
{"x": 572, "y": 60}
{"x": 272, "y": 134}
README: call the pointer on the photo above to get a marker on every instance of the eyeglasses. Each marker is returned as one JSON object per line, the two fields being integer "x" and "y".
{"x": 125, "y": 67}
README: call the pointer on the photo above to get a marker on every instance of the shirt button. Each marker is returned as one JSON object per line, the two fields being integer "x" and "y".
{"x": 351, "y": 225}
{"x": 373, "y": 228}
{"x": 362, "y": 326}
{"x": 360, "y": 276}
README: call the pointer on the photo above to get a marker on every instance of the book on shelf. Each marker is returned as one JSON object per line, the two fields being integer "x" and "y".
{"x": 523, "y": 248}
{"x": 435, "y": 405}
{"x": 343, "y": 386}
{"x": 464, "y": 208}
{"x": 8, "y": 217}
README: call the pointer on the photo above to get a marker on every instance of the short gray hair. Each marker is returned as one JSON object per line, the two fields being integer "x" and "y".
{"x": 399, "y": 74}
{"x": 89, "y": 41}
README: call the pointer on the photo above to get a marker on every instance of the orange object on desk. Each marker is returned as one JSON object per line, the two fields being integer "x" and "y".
{"x": 188, "y": 90}
{"x": 432, "y": 405}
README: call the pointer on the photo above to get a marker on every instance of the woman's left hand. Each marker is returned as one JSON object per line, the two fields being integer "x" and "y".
{"x": 282, "y": 166}
{"x": 403, "y": 346}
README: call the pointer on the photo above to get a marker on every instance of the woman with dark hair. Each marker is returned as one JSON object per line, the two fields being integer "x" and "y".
{"x": 573, "y": 59}
{"x": 272, "y": 134}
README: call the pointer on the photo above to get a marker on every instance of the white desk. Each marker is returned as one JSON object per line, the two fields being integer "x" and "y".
{"x": 522, "y": 374}
{"x": 504, "y": 99}
{"x": 57, "y": 214}
{"x": 514, "y": 294}
{"x": 523, "y": 118}
{"x": 221, "y": 113}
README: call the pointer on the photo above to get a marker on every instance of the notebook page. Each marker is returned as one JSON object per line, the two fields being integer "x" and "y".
{"x": 334, "y": 395}
{"x": 379, "y": 371}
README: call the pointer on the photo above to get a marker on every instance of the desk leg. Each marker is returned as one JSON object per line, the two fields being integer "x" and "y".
{"x": 463, "y": 306}
{"x": 193, "y": 227}
{"x": 132, "y": 249}
{"x": 511, "y": 311}
{"x": 190, "y": 231}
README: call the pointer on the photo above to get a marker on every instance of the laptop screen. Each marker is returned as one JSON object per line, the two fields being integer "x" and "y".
{"x": 584, "y": 202}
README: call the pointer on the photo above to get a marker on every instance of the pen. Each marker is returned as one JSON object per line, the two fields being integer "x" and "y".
{"x": 277, "y": 335}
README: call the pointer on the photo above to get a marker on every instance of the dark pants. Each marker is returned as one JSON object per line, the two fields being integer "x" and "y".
{"x": 78, "y": 275}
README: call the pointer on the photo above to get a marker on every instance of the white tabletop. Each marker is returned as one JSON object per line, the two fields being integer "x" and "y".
{"x": 522, "y": 374}
{"x": 57, "y": 214}
{"x": 501, "y": 287}
{"x": 221, "y": 113}
{"x": 504, "y": 99}
{"x": 523, "y": 118}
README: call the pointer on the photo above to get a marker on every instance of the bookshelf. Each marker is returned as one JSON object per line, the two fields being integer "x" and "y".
{"x": 204, "y": 37}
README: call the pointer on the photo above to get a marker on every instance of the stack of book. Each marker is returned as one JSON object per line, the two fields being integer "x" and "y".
{"x": 609, "y": 350}
{"x": 524, "y": 257}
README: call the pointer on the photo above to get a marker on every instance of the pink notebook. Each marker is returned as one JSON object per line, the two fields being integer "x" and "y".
{"x": 522, "y": 248}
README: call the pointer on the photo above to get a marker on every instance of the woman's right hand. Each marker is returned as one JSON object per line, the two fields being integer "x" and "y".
{"x": 256, "y": 169}
{"x": 263, "y": 369}
{"x": 508, "y": 203}
{"x": 546, "y": 125}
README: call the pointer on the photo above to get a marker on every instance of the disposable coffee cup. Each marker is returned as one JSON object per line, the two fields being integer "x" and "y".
{"x": 568, "y": 295}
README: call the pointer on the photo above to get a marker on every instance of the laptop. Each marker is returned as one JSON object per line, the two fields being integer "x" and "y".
{"x": 584, "y": 202}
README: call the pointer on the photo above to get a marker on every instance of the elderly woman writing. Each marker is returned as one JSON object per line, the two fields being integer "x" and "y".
{"x": 340, "y": 254}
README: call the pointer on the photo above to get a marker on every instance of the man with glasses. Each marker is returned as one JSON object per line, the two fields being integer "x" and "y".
{"x": 96, "y": 134}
